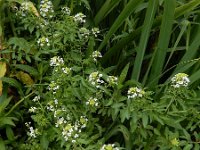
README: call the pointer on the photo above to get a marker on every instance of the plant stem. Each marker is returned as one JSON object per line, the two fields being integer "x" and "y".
{"x": 19, "y": 102}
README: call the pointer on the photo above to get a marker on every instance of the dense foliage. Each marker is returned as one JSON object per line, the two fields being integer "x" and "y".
{"x": 99, "y": 75}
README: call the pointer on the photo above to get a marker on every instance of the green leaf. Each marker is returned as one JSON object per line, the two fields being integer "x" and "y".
{"x": 156, "y": 131}
{"x": 13, "y": 82}
{"x": 44, "y": 142}
{"x": 20, "y": 43}
{"x": 27, "y": 68}
{"x": 188, "y": 147}
{"x": 123, "y": 74}
{"x": 2, "y": 144}
{"x": 7, "y": 121}
{"x": 124, "y": 114}
{"x": 4, "y": 103}
{"x": 9, "y": 133}
{"x": 145, "y": 120}
{"x": 171, "y": 122}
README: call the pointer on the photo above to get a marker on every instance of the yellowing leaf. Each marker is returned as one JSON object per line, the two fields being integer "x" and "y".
{"x": 24, "y": 78}
{"x": 2, "y": 73}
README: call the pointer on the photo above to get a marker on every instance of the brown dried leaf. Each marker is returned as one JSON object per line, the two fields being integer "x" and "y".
{"x": 24, "y": 78}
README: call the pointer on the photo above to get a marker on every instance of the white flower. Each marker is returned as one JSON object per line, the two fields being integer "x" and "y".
{"x": 46, "y": 9}
{"x": 180, "y": 80}
{"x": 53, "y": 86}
{"x": 56, "y": 101}
{"x": 79, "y": 18}
{"x": 109, "y": 147}
{"x": 83, "y": 121}
{"x": 50, "y": 107}
{"x": 36, "y": 98}
{"x": 66, "y": 70}
{"x": 25, "y": 6}
{"x": 95, "y": 31}
{"x": 95, "y": 55}
{"x": 66, "y": 10}
{"x": 32, "y": 132}
{"x": 76, "y": 136}
{"x": 84, "y": 32}
{"x": 73, "y": 141}
{"x": 92, "y": 102}
{"x": 135, "y": 92}
{"x": 95, "y": 79}
{"x": 32, "y": 109}
{"x": 56, "y": 61}
{"x": 43, "y": 41}
{"x": 112, "y": 80}
{"x": 60, "y": 121}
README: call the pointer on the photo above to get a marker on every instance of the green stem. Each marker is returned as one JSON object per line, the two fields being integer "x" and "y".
{"x": 19, "y": 102}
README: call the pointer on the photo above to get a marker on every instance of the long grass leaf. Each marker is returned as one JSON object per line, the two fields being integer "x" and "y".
{"x": 191, "y": 52}
{"x": 107, "y": 7}
{"x": 163, "y": 41}
{"x": 130, "y": 7}
{"x": 179, "y": 11}
{"x": 149, "y": 18}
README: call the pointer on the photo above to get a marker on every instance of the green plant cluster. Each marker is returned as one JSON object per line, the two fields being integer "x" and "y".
{"x": 133, "y": 84}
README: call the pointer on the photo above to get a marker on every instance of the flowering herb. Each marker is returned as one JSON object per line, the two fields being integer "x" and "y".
{"x": 180, "y": 80}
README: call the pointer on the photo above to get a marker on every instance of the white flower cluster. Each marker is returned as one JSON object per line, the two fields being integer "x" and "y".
{"x": 56, "y": 61}
{"x": 84, "y": 32}
{"x": 135, "y": 92}
{"x": 80, "y": 18}
{"x": 36, "y": 98}
{"x": 53, "y": 86}
{"x": 95, "y": 55}
{"x": 95, "y": 79}
{"x": 72, "y": 132}
{"x": 60, "y": 121}
{"x": 109, "y": 147}
{"x": 32, "y": 109}
{"x": 112, "y": 80}
{"x": 92, "y": 102}
{"x": 46, "y": 9}
{"x": 24, "y": 8}
{"x": 32, "y": 132}
{"x": 43, "y": 41}
{"x": 95, "y": 31}
{"x": 180, "y": 80}
{"x": 66, "y": 10}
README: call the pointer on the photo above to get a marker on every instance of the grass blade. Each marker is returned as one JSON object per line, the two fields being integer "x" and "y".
{"x": 164, "y": 37}
{"x": 130, "y": 7}
{"x": 107, "y": 7}
{"x": 149, "y": 18}
{"x": 179, "y": 11}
